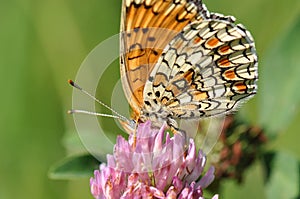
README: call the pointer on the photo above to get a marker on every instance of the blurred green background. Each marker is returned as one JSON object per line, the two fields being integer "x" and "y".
{"x": 42, "y": 44}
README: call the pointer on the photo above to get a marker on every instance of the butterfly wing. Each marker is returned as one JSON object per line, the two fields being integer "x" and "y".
{"x": 206, "y": 70}
{"x": 147, "y": 26}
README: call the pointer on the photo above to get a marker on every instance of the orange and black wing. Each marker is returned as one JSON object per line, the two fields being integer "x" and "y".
{"x": 147, "y": 27}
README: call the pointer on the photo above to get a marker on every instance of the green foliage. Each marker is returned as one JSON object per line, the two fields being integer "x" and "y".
{"x": 279, "y": 95}
{"x": 283, "y": 179}
{"x": 74, "y": 167}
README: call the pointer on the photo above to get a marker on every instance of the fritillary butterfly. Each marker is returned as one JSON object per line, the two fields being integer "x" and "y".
{"x": 205, "y": 65}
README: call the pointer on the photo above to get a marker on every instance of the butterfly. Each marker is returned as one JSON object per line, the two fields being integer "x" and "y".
{"x": 180, "y": 61}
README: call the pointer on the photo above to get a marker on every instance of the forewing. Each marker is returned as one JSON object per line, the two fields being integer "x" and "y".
{"x": 147, "y": 26}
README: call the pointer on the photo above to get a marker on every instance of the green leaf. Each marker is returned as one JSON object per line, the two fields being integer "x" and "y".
{"x": 253, "y": 183}
{"x": 72, "y": 143}
{"x": 283, "y": 176}
{"x": 74, "y": 167}
{"x": 279, "y": 94}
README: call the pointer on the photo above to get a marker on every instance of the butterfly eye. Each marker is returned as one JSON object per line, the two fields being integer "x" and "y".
{"x": 132, "y": 124}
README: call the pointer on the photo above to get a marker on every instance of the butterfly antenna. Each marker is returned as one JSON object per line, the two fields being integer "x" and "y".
{"x": 93, "y": 113}
{"x": 117, "y": 116}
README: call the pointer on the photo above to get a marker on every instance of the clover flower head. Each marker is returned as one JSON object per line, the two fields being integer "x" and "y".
{"x": 152, "y": 165}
